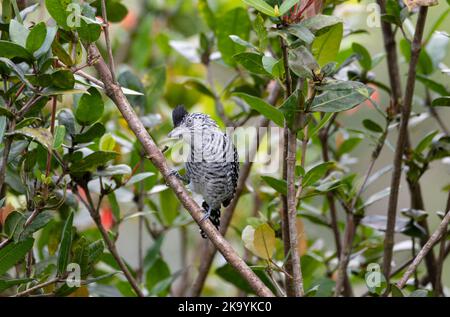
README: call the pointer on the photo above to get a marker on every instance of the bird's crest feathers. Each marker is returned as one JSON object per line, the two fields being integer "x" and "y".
{"x": 178, "y": 115}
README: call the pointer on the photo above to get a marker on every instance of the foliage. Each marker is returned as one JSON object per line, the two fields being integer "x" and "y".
{"x": 67, "y": 155}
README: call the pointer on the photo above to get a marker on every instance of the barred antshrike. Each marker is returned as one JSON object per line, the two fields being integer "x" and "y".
{"x": 212, "y": 167}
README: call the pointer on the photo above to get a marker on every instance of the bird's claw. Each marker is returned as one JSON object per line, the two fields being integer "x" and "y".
{"x": 206, "y": 216}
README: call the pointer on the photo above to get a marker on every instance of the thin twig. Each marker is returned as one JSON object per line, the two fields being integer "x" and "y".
{"x": 440, "y": 231}
{"x": 401, "y": 141}
{"x": 39, "y": 286}
{"x": 94, "y": 212}
{"x": 441, "y": 258}
{"x": 108, "y": 42}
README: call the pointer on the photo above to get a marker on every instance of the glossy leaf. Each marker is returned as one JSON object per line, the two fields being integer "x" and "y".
{"x": 263, "y": 108}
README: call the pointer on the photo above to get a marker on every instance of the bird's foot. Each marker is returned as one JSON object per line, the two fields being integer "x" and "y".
{"x": 206, "y": 215}
{"x": 182, "y": 178}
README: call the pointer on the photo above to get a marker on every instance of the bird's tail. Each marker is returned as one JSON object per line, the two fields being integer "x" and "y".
{"x": 214, "y": 217}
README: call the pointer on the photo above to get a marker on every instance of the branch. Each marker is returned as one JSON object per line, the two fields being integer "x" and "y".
{"x": 115, "y": 93}
{"x": 396, "y": 96}
{"x": 441, "y": 258}
{"x": 292, "y": 209}
{"x": 108, "y": 42}
{"x": 39, "y": 286}
{"x": 440, "y": 232}
{"x": 285, "y": 232}
{"x": 208, "y": 257}
{"x": 392, "y": 60}
{"x": 401, "y": 142}
{"x": 95, "y": 215}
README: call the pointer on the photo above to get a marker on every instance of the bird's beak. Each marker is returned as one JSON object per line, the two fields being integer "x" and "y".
{"x": 176, "y": 133}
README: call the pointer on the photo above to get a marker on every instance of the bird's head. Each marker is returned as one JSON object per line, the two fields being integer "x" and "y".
{"x": 187, "y": 124}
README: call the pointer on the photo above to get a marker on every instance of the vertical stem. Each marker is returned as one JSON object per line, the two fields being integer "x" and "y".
{"x": 285, "y": 232}
{"x": 52, "y": 131}
{"x": 109, "y": 243}
{"x": 108, "y": 42}
{"x": 392, "y": 60}
{"x": 401, "y": 142}
{"x": 292, "y": 212}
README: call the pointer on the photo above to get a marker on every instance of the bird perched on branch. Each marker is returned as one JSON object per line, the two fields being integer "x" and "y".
{"x": 212, "y": 167}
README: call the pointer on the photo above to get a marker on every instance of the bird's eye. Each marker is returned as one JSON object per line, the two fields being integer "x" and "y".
{"x": 189, "y": 121}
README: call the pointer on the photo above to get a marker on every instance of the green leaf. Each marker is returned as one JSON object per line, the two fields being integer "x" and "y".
{"x": 326, "y": 46}
{"x": 291, "y": 107}
{"x": 158, "y": 272}
{"x": 252, "y": 62}
{"x": 419, "y": 293}
{"x": 13, "y": 253}
{"x": 41, "y": 220}
{"x": 320, "y": 23}
{"x": 229, "y": 274}
{"x": 233, "y": 22}
{"x": 278, "y": 184}
{"x": 301, "y": 32}
{"x": 264, "y": 241}
{"x": 131, "y": 81}
{"x": 107, "y": 142}
{"x": 139, "y": 177}
{"x": 339, "y": 100}
{"x": 14, "y": 52}
{"x": 425, "y": 142}
{"x": 261, "y": 32}
{"x": 347, "y": 146}
{"x": 7, "y": 283}
{"x": 261, "y": 6}
{"x": 2, "y": 127}
{"x": 236, "y": 39}
{"x": 19, "y": 72}
{"x": 66, "y": 118}
{"x": 372, "y": 126}
{"x": 154, "y": 252}
{"x": 111, "y": 170}
{"x": 198, "y": 85}
{"x": 89, "y": 30}
{"x": 287, "y": 5}
{"x": 115, "y": 10}
{"x": 92, "y": 161}
{"x": 441, "y": 102}
{"x": 60, "y": 134}
{"x": 363, "y": 56}
{"x": 63, "y": 79}
{"x": 433, "y": 85}
{"x": 396, "y": 291}
{"x": 114, "y": 206}
{"x": 95, "y": 131}
{"x": 207, "y": 14}
{"x": 316, "y": 173}
{"x": 65, "y": 245}
{"x": 425, "y": 64}
{"x": 36, "y": 37}
{"x": 90, "y": 107}
{"x": 302, "y": 62}
{"x": 13, "y": 226}
{"x": 58, "y": 11}
{"x": 18, "y": 32}
{"x": 263, "y": 108}
{"x": 40, "y": 135}
{"x": 273, "y": 66}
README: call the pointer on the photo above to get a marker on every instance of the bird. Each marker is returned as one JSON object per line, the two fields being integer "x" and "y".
{"x": 212, "y": 165}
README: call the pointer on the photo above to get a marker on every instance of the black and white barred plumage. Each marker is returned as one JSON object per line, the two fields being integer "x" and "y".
{"x": 212, "y": 167}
